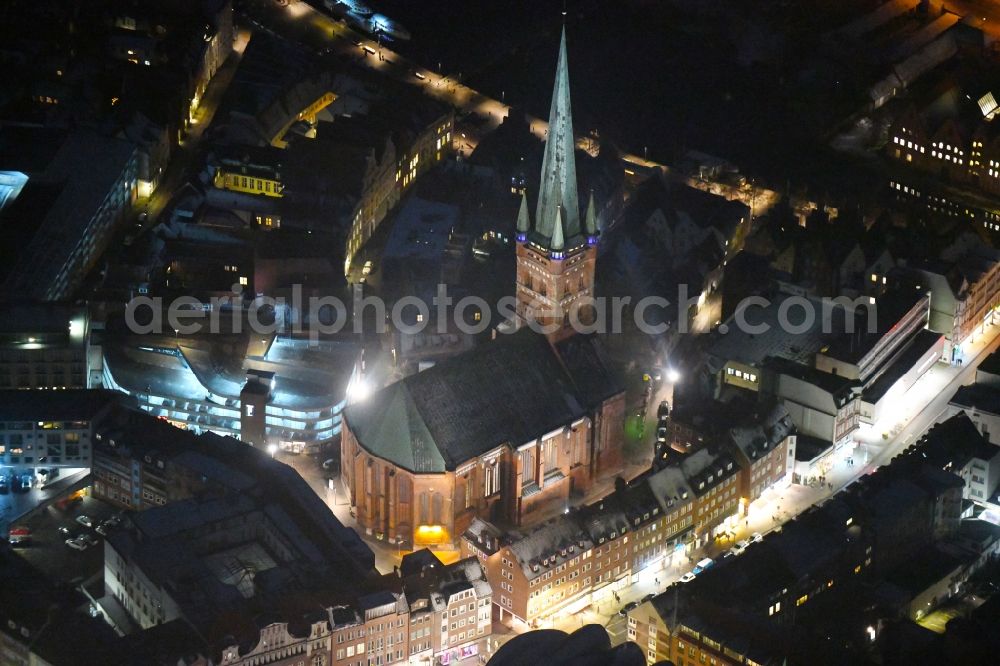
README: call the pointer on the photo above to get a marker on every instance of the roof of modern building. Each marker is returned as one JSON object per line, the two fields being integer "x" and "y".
{"x": 319, "y": 556}
{"x": 32, "y": 317}
{"x": 511, "y": 390}
{"x": 85, "y": 168}
{"x": 919, "y": 346}
{"x": 889, "y": 310}
{"x": 836, "y": 385}
{"x": 794, "y": 345}
{"x": 307, "y": 376}
{"x": 808, "y": 448}
{"x": 67, "y": 405}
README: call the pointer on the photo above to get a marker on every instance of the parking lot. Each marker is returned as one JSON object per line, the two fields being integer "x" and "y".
{"x": 50, "y": 554}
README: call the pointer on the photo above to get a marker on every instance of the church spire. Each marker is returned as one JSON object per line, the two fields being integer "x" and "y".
{"x": 558, "y": 182}
{"x": 523, "y": 222}
{"x": 590, "y": 220}
{"x": 558, "y": 241}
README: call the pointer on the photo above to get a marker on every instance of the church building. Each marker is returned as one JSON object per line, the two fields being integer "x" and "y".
{"x": 514, "y": 429}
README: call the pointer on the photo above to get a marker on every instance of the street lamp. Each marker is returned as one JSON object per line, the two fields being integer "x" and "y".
{"x": 359, "y": 390}
{"x": 673, "y": 376}
{"x": 272, "y": 449}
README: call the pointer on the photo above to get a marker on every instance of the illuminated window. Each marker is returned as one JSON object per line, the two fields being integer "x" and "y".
{"x": 244, "y": 281}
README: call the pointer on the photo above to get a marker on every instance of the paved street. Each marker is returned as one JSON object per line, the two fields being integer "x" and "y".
{"x": 177, "y": 171}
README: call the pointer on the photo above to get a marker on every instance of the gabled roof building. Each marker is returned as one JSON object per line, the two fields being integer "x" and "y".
{"x": 518, "y": 425}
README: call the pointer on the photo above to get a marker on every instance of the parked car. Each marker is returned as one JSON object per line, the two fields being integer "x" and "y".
{"x": 632, "y": 605}
{"x": 103, "y": 529}
{"x": 76, "y": 544}
{"x": 661, "y": 434}
{"x": 756, "y": 537}
{"x": 740, "y": 546}
{"x": 688, "y": 577}
{"x": 649, "y": 597}
{"x": 88, "y": 539}
{"x": 663, "y": 411}
{"x": 702, "y": 565}
{"x": 85, "y": 521}
{"x": 64, "y": 531}
{"x": 19, "y": 536}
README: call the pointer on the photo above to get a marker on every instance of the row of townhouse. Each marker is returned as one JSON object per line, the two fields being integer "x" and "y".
{"x": 886, "y": 527}
{"x": 434, "y": 613}
{"x": 588, "y": 554}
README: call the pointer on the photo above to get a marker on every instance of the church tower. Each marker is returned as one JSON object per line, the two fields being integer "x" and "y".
{"x": 556, "y": 254}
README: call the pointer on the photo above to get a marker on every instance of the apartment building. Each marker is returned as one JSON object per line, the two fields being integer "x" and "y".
{"x": 589, "y": 553}
{"x": 450, "y": 607}
{"x": 765, "y": 452}
{"x": 44, "y": 432}
{"x": 80, "y": 185}
{"x": 398, "y": 145}
{"x": 958, "y": 446}
{"x": 45, "y": 346}
{"x": 821, "y": 404}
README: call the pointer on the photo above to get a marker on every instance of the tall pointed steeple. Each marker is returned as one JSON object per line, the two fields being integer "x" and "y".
{"x": 590, "y": 221}
{"x": 558, "y": 241}
{"x": 523, "y": 222}
{"x": 558, "y": 182}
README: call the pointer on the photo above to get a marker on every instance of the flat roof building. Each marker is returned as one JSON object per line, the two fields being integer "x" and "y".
{"x": 64, "y": 216}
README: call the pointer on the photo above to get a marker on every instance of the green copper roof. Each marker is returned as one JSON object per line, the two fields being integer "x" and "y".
{"x": 523, "y": 223}
{"x": 590, "y": 220}
{"x": 557, "y": 242}
{"x": 558, "y": 183}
